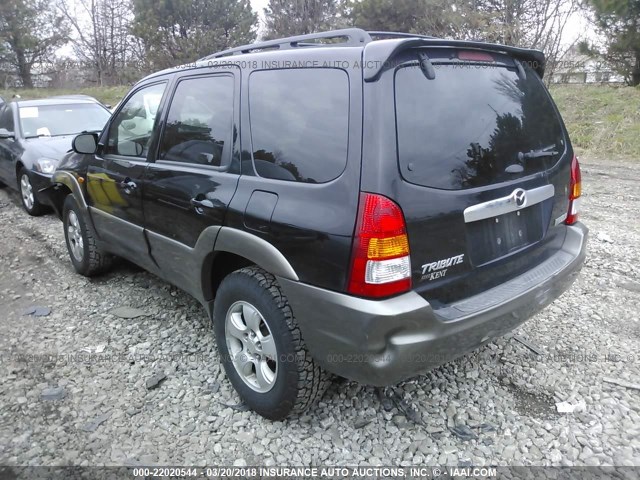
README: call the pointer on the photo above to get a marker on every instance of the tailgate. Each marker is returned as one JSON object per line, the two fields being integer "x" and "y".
{"x": 483, "y": 159}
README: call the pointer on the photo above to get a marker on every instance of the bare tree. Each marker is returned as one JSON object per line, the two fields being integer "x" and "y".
{"x": 545, "y": 28}
{"x": 536, "y": 24}
{"x": 526, "y": 23}
{"x": 101, "y": 37}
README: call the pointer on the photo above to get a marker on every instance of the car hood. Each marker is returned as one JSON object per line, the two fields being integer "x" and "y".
{"x": 51, "y": 147}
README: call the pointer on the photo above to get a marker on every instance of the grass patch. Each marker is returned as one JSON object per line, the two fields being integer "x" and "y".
{"x": 603, "y": 121}
{"x": 107, "y": 95}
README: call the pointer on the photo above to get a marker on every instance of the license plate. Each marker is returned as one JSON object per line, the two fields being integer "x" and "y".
{"x": 499, "y": 236}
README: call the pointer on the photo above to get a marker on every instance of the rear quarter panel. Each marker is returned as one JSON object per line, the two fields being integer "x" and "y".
{"x": 311, "y": 224}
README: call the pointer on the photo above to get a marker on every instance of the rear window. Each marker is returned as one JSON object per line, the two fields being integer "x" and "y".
{"x": 473, "y": 125}
{"x": 299, "y": 123}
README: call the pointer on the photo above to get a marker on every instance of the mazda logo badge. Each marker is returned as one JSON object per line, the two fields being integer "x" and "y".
{"x": 520, "y": 197}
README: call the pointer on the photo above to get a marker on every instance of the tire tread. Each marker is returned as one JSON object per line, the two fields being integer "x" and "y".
{"x": 312, "y": 380}
{"x": 97, "y": 260}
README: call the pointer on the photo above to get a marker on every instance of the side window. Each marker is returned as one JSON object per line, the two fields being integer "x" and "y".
{"x": 6, "y": 118}
{"x": 131, "y": 129}
{"x": 199, "y": 127}
{"x": 299, "y": 123}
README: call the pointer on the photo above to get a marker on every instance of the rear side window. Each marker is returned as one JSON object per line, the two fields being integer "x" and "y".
{"x": 200, "y": 122}
{"x": 473, "y": 126}
{"x": 299, "y": 123}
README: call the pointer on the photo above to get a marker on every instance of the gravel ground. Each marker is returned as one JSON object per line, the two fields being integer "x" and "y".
{"x": 73, "y": 383}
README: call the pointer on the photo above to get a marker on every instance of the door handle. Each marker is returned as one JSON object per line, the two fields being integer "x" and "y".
{"x": 200, "y": 204}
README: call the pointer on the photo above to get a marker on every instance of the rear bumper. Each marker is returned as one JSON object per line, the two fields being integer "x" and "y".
{"x": 384, "y": 342}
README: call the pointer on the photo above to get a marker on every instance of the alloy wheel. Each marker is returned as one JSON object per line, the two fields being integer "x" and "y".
{"x": 26, "y": 190}
{"x": 74, "y": 234}
{"x": 251, "y": 346}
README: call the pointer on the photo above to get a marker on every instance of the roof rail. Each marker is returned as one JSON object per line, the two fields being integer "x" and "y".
{"x": 356, "y": 37}
{"x": 385, "y": 35}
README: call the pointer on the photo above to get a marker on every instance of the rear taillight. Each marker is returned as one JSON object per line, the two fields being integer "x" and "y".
{"x": 475, "y": 56}
{"x": 575, "y": 190}
{"x": 380, "y": 265}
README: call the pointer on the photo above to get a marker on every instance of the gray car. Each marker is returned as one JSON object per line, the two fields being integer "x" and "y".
{"x": 36, "y": 134}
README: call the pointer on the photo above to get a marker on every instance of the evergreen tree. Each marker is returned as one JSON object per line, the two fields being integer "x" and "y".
{"x": 30, "y": 32}
{"x": 438, "y": 18}
{"x": 285, "y": 18}
{"x": 619, "y": 23}
{"x": 180, "y": 31}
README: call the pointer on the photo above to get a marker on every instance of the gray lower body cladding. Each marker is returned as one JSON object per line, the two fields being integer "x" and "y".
{"x": 384, "y": 342}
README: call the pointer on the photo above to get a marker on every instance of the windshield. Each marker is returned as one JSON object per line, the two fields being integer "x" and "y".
{"x": 67, "y": 119}
{"x": 473, "y": 126}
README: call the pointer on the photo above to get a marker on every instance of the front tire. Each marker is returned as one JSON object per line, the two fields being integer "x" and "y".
{"x": 28, "y": 195}
{"x": 261, "y": 346}
{"x": 87, "y": 256}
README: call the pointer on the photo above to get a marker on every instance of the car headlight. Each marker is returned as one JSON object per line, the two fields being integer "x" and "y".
{"x": 46, "y": 165}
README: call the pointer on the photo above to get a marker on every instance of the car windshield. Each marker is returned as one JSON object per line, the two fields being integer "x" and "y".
{"x": 64, "y": 119}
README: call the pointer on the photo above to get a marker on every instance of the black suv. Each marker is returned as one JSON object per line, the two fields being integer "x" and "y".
{"x": 366, "y": 204}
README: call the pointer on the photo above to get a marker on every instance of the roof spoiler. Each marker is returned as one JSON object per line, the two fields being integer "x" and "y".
{"x": 378, "y": 53}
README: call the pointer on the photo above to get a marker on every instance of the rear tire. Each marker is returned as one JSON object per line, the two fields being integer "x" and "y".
{"x": 87, "y": 256}
{"x": 261, "y": 346}
{"x": 28, "y": 195}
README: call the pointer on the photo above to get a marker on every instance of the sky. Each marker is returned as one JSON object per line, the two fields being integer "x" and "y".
{"x": 258, "y": 6}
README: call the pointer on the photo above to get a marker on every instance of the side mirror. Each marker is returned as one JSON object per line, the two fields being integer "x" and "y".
{"x": 85, "y": 143}
{"x": 5, "y": 134}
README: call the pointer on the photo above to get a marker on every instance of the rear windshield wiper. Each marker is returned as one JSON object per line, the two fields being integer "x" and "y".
{"x": 426, "y": 66}
{"x": 521, "y": 73}
{"x": 543, "y": 152}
